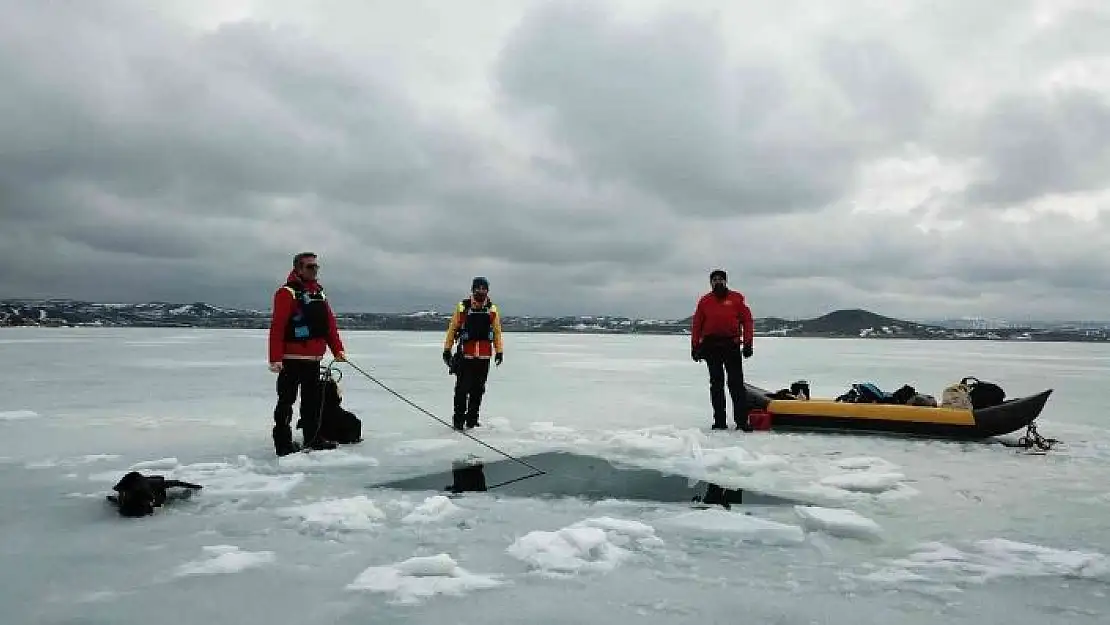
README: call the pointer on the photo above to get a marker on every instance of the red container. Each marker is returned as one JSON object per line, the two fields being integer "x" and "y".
{"x": 759, "y": 419}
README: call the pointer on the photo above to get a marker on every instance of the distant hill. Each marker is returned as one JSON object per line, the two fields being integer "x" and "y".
{"x": 857, "y": 322}
{"x": 846, "y": 323}
{"x": 843, "y": 323}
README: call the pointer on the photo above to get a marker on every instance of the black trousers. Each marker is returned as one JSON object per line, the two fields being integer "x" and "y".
{"x": 303, "y": 375}
{"x": 470, "y": 386}
{"x": 725, "y": 357}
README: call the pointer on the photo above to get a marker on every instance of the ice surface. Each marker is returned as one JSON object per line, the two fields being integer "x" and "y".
{"x": 224, "y": 559}
{"x": 968, "y": 533}
{"x": 743, "y": 527}
{"x": 347, "y": 514}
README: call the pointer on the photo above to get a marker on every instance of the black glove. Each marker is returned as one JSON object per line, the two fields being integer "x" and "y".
{"x": 498, "y": 358}
{"x": 747, "y": 351}
{"x": 447, "y": 357}
{"x": 695, "y": 353}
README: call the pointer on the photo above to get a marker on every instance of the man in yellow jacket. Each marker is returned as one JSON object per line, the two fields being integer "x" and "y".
{"x": 476, "y": 325}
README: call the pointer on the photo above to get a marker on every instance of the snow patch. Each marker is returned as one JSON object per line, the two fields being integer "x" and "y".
{"x": 989, "y": 559}
{"x": 662, "y": 442}
{"x": 432, "y": 509}
{"x": 838, "y": 522}
{"x": 328, "y": 458}
{"x": 162, "y": 464}
{"x": 546, "y": 430}
{"x": 17, "y": 415}
{"x": 238, "y": 478}
{"x": 738, "y": 460}
{"x": 422, "y": 576}
{"x": 865, "y": 462}
{"x": 358, "y": 513}
{"x": 47, "y": 463}
{"x": 224, "y": 559}
{"x": 497, "y": 424}
{"x": 592, "y": 545}
{"x": 864, "y": 482}
{"x": 745, "y": 527}
{"x": 419, "y": 446}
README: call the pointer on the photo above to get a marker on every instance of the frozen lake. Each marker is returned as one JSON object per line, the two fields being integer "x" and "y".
{"x": 928, "y": 531}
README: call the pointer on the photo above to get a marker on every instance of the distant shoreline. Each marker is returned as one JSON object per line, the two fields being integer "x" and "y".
{"x": 1064, "y": 339}
{"x": 846, "y": 323}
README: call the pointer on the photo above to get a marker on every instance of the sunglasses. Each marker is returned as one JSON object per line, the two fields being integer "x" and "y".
{"x": 313, "y": 266}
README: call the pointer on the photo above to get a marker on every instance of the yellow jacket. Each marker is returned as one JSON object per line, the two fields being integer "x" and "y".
{"x": 478, "y": 327}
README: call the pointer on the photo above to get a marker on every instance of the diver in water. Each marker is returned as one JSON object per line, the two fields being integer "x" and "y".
{"x": 722, "y": 335}
{"x": 476, "y": 326}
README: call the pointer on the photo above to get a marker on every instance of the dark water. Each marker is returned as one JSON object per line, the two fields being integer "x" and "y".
{"x": 565, "y": 474}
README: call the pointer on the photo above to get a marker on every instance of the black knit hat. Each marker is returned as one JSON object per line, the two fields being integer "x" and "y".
{"x": 477, "y": 282}
{"x": 718, "y": 273}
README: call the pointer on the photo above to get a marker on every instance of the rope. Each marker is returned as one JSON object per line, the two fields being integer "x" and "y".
{"x": 1032, "y": 438}
{"x": 537, "y": 472}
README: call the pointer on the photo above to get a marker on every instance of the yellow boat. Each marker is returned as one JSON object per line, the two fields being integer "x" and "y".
{"x": 939, "y": 422}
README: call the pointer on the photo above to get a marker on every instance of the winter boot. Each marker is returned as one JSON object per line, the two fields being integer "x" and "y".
{"x": 321, "y": 444}
{"x": 283, "y": 441}
{"x": 472, "y": 421}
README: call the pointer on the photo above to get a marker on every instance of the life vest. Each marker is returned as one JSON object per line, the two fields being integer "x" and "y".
{"x": 477, "y": 323}
{"x": 310, "y": 314}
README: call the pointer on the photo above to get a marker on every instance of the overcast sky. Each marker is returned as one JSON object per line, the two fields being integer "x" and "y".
{"x": 921, "y": 159}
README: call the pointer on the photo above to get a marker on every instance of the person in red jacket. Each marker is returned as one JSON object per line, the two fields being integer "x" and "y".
{"x": 302, "y": 327}
{"x": 722, "y": 333}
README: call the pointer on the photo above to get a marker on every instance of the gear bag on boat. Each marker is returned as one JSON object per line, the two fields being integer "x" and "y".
{"x": 972, "y": 393}
{"x": 868, "y": 393}
{"x": 956, "y": 396}
{"x": 984, "y": 394}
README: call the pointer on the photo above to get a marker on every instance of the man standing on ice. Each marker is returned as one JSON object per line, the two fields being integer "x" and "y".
{"x": 476, "y": 325}
{"x": 722, "y": 323}
{"x": 302, "y": 327}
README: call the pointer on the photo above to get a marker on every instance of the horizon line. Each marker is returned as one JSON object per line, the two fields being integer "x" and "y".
{"x": 921, "y": 320}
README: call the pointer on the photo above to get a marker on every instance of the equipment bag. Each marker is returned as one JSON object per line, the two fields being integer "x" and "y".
{"x": 956, "y": 396}
{"x": 337, "y": 424}
{"x": 984, "y": 394}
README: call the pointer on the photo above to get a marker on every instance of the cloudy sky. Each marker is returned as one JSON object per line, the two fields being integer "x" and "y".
{"x": 935, "y": 158}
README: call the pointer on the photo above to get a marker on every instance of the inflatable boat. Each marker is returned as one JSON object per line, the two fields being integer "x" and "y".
{"x": 927, "y": 421}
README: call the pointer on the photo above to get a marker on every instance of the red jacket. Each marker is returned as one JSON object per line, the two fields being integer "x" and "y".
{"x": 282, "y": 311}
{"x": 722, "y": 317}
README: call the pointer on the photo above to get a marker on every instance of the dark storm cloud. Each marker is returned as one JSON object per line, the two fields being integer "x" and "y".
{"x": 890, "y": 102}
{"x": 1034, "y": 145}
{"x": 661, "y": 106}
{"x": 159, "y": 132}
{"x": 206, "y": 118}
